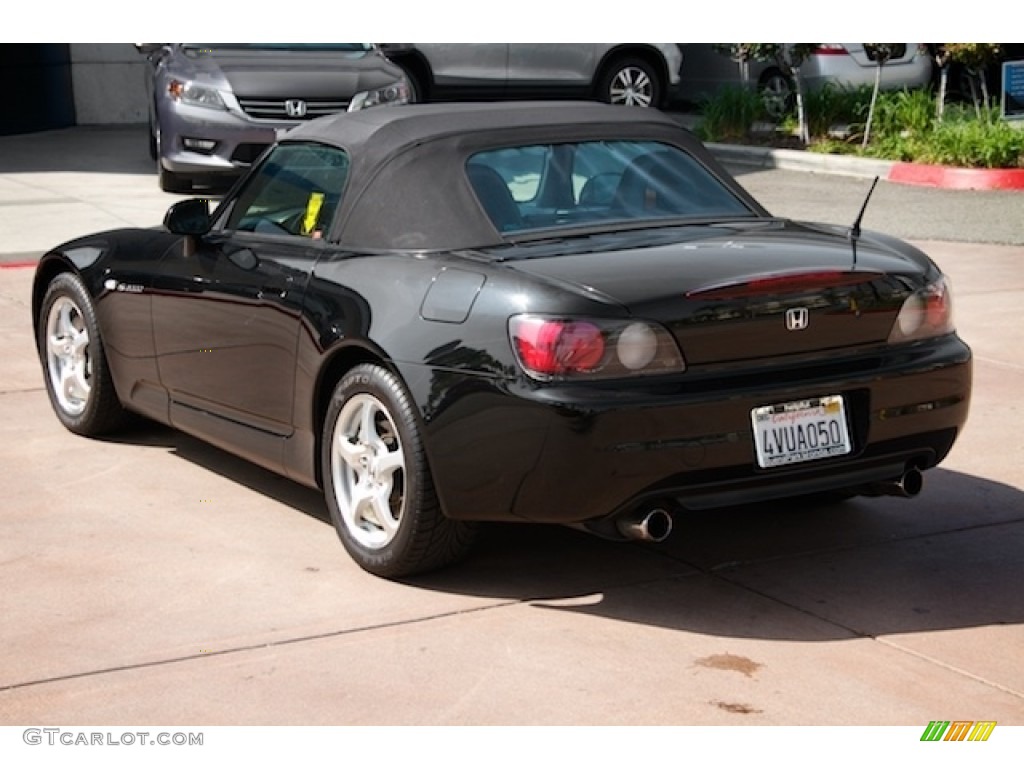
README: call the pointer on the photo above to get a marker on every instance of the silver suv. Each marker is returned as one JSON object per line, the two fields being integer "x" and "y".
{"x": 637, "y": 74}
{"x": 214, "y": 107}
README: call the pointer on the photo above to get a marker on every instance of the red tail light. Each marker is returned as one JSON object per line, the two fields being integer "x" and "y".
{"x": 554, "y": 347}
{"x": 564, "y": 348}
{"x": 830, "y": 49}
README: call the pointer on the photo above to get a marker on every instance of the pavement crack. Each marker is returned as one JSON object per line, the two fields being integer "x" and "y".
{"x": 255, "y": 646}
{"x": 950, "y": 667}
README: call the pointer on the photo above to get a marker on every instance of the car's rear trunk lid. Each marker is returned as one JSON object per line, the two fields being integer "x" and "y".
{"x": 731, "y": 294}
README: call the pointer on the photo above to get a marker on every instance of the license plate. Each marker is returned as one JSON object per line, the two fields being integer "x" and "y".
{"x": 804, "y": 430}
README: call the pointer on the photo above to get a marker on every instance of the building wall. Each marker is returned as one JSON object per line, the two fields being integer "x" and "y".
{"x": 35, "y": 79}
{"x": 109, "y": 83}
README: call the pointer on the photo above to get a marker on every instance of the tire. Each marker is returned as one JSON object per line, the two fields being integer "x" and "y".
{"x": 74, "y": 362}
{"x": 631, "y": 81}
{"x": 377, "y": 484}
{"x": 417, "y": 93}
{"x": 776, "y": 94}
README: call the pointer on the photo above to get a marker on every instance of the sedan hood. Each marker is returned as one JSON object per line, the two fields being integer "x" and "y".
{"x": 725, "y": 291}
{"x": 291, "y": 73}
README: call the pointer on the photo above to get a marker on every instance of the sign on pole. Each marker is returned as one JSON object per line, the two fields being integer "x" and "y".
{"x": 1013, "y": 90}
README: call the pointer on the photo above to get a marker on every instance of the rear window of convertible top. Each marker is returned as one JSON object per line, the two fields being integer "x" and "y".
{"x": 540, "y": 186}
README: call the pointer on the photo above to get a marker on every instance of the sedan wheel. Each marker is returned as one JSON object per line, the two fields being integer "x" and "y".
{"x": 77, "y": 379}
{"x": 632, "y": 83}
{"x": 377, "y": 483}
{"x": 776, "y": 94}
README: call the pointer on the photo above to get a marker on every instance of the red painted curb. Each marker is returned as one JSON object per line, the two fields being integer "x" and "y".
{"x": 949, "y": 177}
{"x": 17, "y": 264}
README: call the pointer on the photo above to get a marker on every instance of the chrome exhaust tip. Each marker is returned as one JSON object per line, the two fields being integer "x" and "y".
{"x": 907, "y": 486}
{"x": 653, "y": 525}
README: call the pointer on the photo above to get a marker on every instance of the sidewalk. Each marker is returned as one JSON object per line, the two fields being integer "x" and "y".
{"x": 57, "y": 185}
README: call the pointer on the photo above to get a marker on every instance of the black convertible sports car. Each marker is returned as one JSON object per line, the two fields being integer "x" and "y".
{"x": 558, "y": 312}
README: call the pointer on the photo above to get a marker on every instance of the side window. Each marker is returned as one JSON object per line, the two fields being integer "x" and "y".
{"x": 295, "y": 191}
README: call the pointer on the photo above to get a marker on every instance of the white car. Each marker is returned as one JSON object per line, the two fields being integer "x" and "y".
{"x": 633, "y": 74}
{"x": 705, "y": 71}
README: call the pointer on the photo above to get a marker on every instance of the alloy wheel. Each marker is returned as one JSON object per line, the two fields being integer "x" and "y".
{"x": 67, "y": 356}
{"x": 368, "y": 470}
{"x": 631, "y": 86}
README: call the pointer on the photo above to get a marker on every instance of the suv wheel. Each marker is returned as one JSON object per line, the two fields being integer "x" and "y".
{"x": 632, "y": 82}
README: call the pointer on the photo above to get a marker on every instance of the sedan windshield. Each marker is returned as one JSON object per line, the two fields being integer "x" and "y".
{"x": 349, "y": 47}
{"x": 589, "y": 183}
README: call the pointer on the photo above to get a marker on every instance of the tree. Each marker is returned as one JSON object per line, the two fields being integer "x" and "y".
{"x": 974, "y": 58}
{"x": 742, "y": 54}
{"x": 788, "y": 57}
{"x": 881, "y": 53}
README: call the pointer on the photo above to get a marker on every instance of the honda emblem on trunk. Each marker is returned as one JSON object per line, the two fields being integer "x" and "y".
{"x": 295, "y": 108}
{"x": 797, "y": 318}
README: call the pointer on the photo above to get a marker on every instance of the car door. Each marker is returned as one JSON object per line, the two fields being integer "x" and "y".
{"x": 227, "y": 305}
{"x": 551, "y": 65}
{"x": 470, "y": 67}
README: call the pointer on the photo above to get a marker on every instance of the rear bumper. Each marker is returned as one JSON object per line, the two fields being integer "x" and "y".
{"x": 569, "y": 455}
{"x": 913, "y": 73}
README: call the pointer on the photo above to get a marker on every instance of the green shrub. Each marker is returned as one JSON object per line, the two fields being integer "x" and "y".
{"x": 904, "y": 127}
{"x": 901, "y": 113}
{"x": 833, "y": 105}
{"x": 729, "y": 114}
{"x": 974, "y": 144}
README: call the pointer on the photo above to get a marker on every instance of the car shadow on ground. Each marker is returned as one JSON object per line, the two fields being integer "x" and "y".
{"x": 83, "y": 149}
{"x": 949, "y": 559}
{"x": 117, "y": 150}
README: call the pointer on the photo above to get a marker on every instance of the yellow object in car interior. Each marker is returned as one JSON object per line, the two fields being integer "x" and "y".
{"x": 316, "y": 201}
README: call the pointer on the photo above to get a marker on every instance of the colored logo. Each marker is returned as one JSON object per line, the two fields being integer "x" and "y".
{"x": 958, "y": 730}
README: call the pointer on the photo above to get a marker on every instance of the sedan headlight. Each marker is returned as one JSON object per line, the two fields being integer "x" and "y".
{"x": 194, "y": 94}
{"x": 395, "y": 93}
{"x": 927, "y": 312}
{"x": 592, "y": 348}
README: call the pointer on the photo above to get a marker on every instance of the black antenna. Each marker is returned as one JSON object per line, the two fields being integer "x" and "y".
{"x": 855, "y": 229}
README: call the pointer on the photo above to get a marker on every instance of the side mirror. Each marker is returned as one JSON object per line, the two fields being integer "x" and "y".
{"x": 189, "y": 217}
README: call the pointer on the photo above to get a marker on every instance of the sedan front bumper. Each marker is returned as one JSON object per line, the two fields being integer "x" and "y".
{"x": 239, "y": 139}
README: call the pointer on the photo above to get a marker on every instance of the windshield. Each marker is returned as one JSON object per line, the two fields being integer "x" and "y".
{"x": 351, "y": 47}
{"x": 583, "y": 184}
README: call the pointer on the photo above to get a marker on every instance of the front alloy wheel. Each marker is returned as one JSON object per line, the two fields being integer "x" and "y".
{"x": 77, "y": 378}
{"x": 67, "y": 356}
{"x": 377, "y": 483}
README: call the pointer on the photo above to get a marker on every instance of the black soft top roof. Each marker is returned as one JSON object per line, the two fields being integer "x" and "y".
{"x": 407, "y": 186}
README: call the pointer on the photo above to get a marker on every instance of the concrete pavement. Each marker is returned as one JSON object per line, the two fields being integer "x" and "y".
{"x": 152, "y": 579}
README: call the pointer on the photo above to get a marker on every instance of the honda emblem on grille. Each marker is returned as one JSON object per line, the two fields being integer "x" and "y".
{"x": 295, "y": 108}
{"x": 797, "y": 318}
